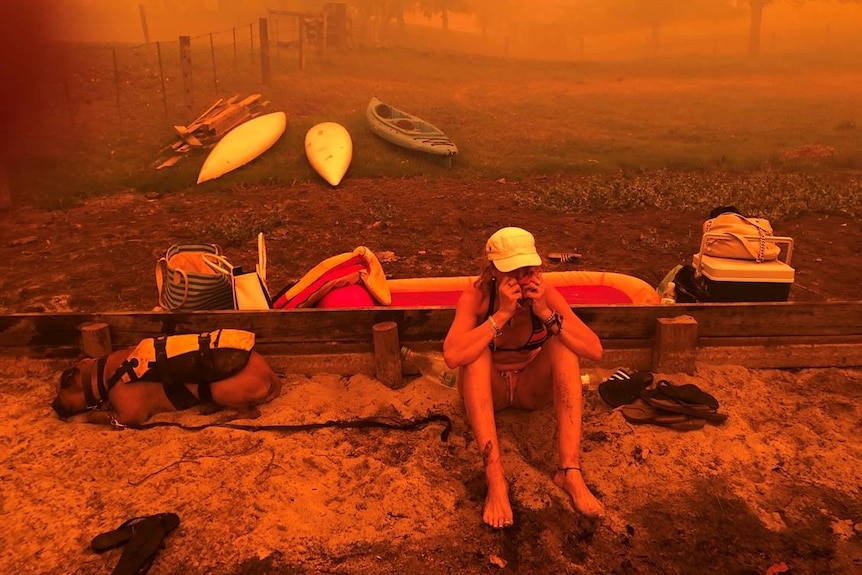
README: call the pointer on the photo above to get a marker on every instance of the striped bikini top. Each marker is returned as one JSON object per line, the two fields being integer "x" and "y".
{"x": 538, "y": 336}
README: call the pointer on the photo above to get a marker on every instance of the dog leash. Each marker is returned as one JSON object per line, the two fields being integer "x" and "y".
{"x": 365, "y": 422}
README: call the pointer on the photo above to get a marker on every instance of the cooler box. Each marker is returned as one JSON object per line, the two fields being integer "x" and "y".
{"x": 743, "y": 280}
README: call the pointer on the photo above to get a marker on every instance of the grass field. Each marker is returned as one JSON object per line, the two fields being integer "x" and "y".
{"x": 99, "y": 131}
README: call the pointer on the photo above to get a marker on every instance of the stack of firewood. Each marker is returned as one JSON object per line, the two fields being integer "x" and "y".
{"x": 210, "y": 127}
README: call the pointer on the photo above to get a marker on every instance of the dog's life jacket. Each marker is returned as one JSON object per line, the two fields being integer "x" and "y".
{"x": 176, "y": 360}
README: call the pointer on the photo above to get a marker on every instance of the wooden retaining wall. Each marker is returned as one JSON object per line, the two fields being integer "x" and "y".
{"x": 666, "y": 338}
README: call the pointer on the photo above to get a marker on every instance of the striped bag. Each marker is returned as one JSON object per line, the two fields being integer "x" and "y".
{"x": 185, "y": 282}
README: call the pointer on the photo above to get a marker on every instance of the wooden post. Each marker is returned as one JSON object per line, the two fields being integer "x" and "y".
{"x": 162, "y": 78}
{"x": 186, "y": 66}
{"x": 144, "y": 27}
{"x": 265, "y": 71}
{"x": 96, "y": 339}
{"x": 675, "y": 345}
{"x": 116, "y": 80}
{"x": 212, "y": 54}
{"x": 303, "y": 41}
{"x": 387, "y": 354}
{"x": 323, "y": 35}
{"x": 5, "y": 190}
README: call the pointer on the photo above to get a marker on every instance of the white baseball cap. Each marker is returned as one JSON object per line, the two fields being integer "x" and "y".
{"x": 512, "y": 248}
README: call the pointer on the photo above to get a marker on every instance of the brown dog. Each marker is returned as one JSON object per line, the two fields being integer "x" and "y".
{"x": 81, "y": 388}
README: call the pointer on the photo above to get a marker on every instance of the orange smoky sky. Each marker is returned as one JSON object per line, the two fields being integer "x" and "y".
{"x": 24, "y": 31}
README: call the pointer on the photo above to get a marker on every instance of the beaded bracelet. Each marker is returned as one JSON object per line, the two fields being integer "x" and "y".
{"x": 497, "y": 331}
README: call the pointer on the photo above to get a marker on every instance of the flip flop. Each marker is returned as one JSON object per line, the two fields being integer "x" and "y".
{"x": 640, "y": 412}
{"x": 124, "y": 533}
{"x": 653, "y": 398}
{"x": 624, "y": 386}
{"x": 687, "y": 393}
{"x": 563, "y": 257}
{"x": 147, "y": 538}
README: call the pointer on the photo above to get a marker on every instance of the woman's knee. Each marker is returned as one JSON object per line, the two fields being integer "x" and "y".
{"x": 478, "y": 368}
{"x": 561, "y": 356}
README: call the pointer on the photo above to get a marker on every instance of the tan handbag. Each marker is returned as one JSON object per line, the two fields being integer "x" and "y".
{"x": 737, "y": 237}
{"x": 185, "y": 282}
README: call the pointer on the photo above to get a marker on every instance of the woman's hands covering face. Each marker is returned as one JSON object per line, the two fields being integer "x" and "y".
{"x": 509, "y": 294}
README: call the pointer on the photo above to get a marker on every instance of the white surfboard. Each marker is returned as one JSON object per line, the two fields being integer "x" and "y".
{"x": 329, "y": 149}
{"x": 243, "y": 144}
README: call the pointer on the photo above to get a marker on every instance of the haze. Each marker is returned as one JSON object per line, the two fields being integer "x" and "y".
{"x": 590, "y": 29}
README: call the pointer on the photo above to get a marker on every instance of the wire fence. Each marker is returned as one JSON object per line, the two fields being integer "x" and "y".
{"x": 169, "y": 82}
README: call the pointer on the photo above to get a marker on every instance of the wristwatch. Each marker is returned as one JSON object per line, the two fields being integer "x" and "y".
{"x": 554, "y": 323}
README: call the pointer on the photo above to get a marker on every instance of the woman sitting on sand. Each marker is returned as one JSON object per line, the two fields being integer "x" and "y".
{"x": 517, "y": 343}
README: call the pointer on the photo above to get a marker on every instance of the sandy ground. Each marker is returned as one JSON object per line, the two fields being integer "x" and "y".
{"x": 777, "y": 484}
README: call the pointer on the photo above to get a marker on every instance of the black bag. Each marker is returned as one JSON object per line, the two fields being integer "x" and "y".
{"x": 689, "y": 287}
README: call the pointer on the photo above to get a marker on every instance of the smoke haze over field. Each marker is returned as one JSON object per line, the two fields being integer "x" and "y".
{"x": 555, "y": 29}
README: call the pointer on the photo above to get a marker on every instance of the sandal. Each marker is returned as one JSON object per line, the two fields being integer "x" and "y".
{"x": 687, "y": 393}
{"x": 563, "y": 257}
{"x": 640, "y": 412}
{"x": 143, "y": 537}
{"x": 624, "y": 386}
{"x": 124, "y": 533}
{"x": 656, "y": 400}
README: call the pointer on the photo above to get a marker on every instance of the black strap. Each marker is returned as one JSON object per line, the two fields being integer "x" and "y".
{"x": 179, "y": 396}
{"x": 89, "y": 398}
{"x": 126, "y": 368}
{"x": 206, "y": 369}
{"x": 365, "y": 422}
{"x": 160, "y": 345}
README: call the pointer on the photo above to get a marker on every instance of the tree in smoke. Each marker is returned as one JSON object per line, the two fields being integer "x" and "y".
{"x": 755, "y": 24}
{"x": 653, "y": 14}
{"x": 431, "y": 8}
{"x": 756, "y": 8}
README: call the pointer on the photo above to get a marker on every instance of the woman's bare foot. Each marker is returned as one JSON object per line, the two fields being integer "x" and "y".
{"x": 571, "y": 480}
{"x": 498, "y": 510}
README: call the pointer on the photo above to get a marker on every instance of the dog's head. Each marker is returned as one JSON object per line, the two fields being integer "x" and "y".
{"x": 71, "y": 398}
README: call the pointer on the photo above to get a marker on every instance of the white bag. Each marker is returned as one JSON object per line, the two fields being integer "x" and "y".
{"x": 249, "y": 288}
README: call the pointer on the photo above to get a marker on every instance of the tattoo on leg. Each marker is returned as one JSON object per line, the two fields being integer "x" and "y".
{"x": 486, "y": 454}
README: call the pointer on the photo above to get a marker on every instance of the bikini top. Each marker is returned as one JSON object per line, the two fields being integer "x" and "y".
{"x": 537, "y": 338}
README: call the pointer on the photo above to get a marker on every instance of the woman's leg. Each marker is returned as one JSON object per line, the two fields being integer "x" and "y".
{"x": 483, "y": 389}
{"x": 561, "y": 364}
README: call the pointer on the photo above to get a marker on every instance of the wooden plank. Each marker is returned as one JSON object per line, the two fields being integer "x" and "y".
{"x": 191, "y": 141}
{"x": 228, "y": 119}
{"x": 731, "y": 319}
{"x": 363, "y": 362}
{"x": 722, "y": 328}
{"x": 200, "y": 118}
{"x": 778, "y": 340}
{"x": 784, "y": 356}
{"x": 431, "y": 323}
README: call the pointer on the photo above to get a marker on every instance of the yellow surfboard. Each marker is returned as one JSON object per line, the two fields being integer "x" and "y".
{"x": 243, "y": 144}
{"x": 329, "y": 149}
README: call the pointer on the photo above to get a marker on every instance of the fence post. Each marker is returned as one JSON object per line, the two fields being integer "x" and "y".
{"x": 5, "y": 191}
{"x": 264, "y": 53}
{"x": 116, "y": 80}
{"x": 212, "y": 53}
{"x": 144, "y": 27}
{"x": 303, "y": 41}
{"x": 162, "y": 78}
{"x": 675, "y": 345}
{"x": 234, "y": 49}
{"x": 186, "y": 67}
{"x": 96, "y": 339}
{"x": 387, "y": 354}
{"x": 323, "y": 35}
{"x": 251, "y": 39}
